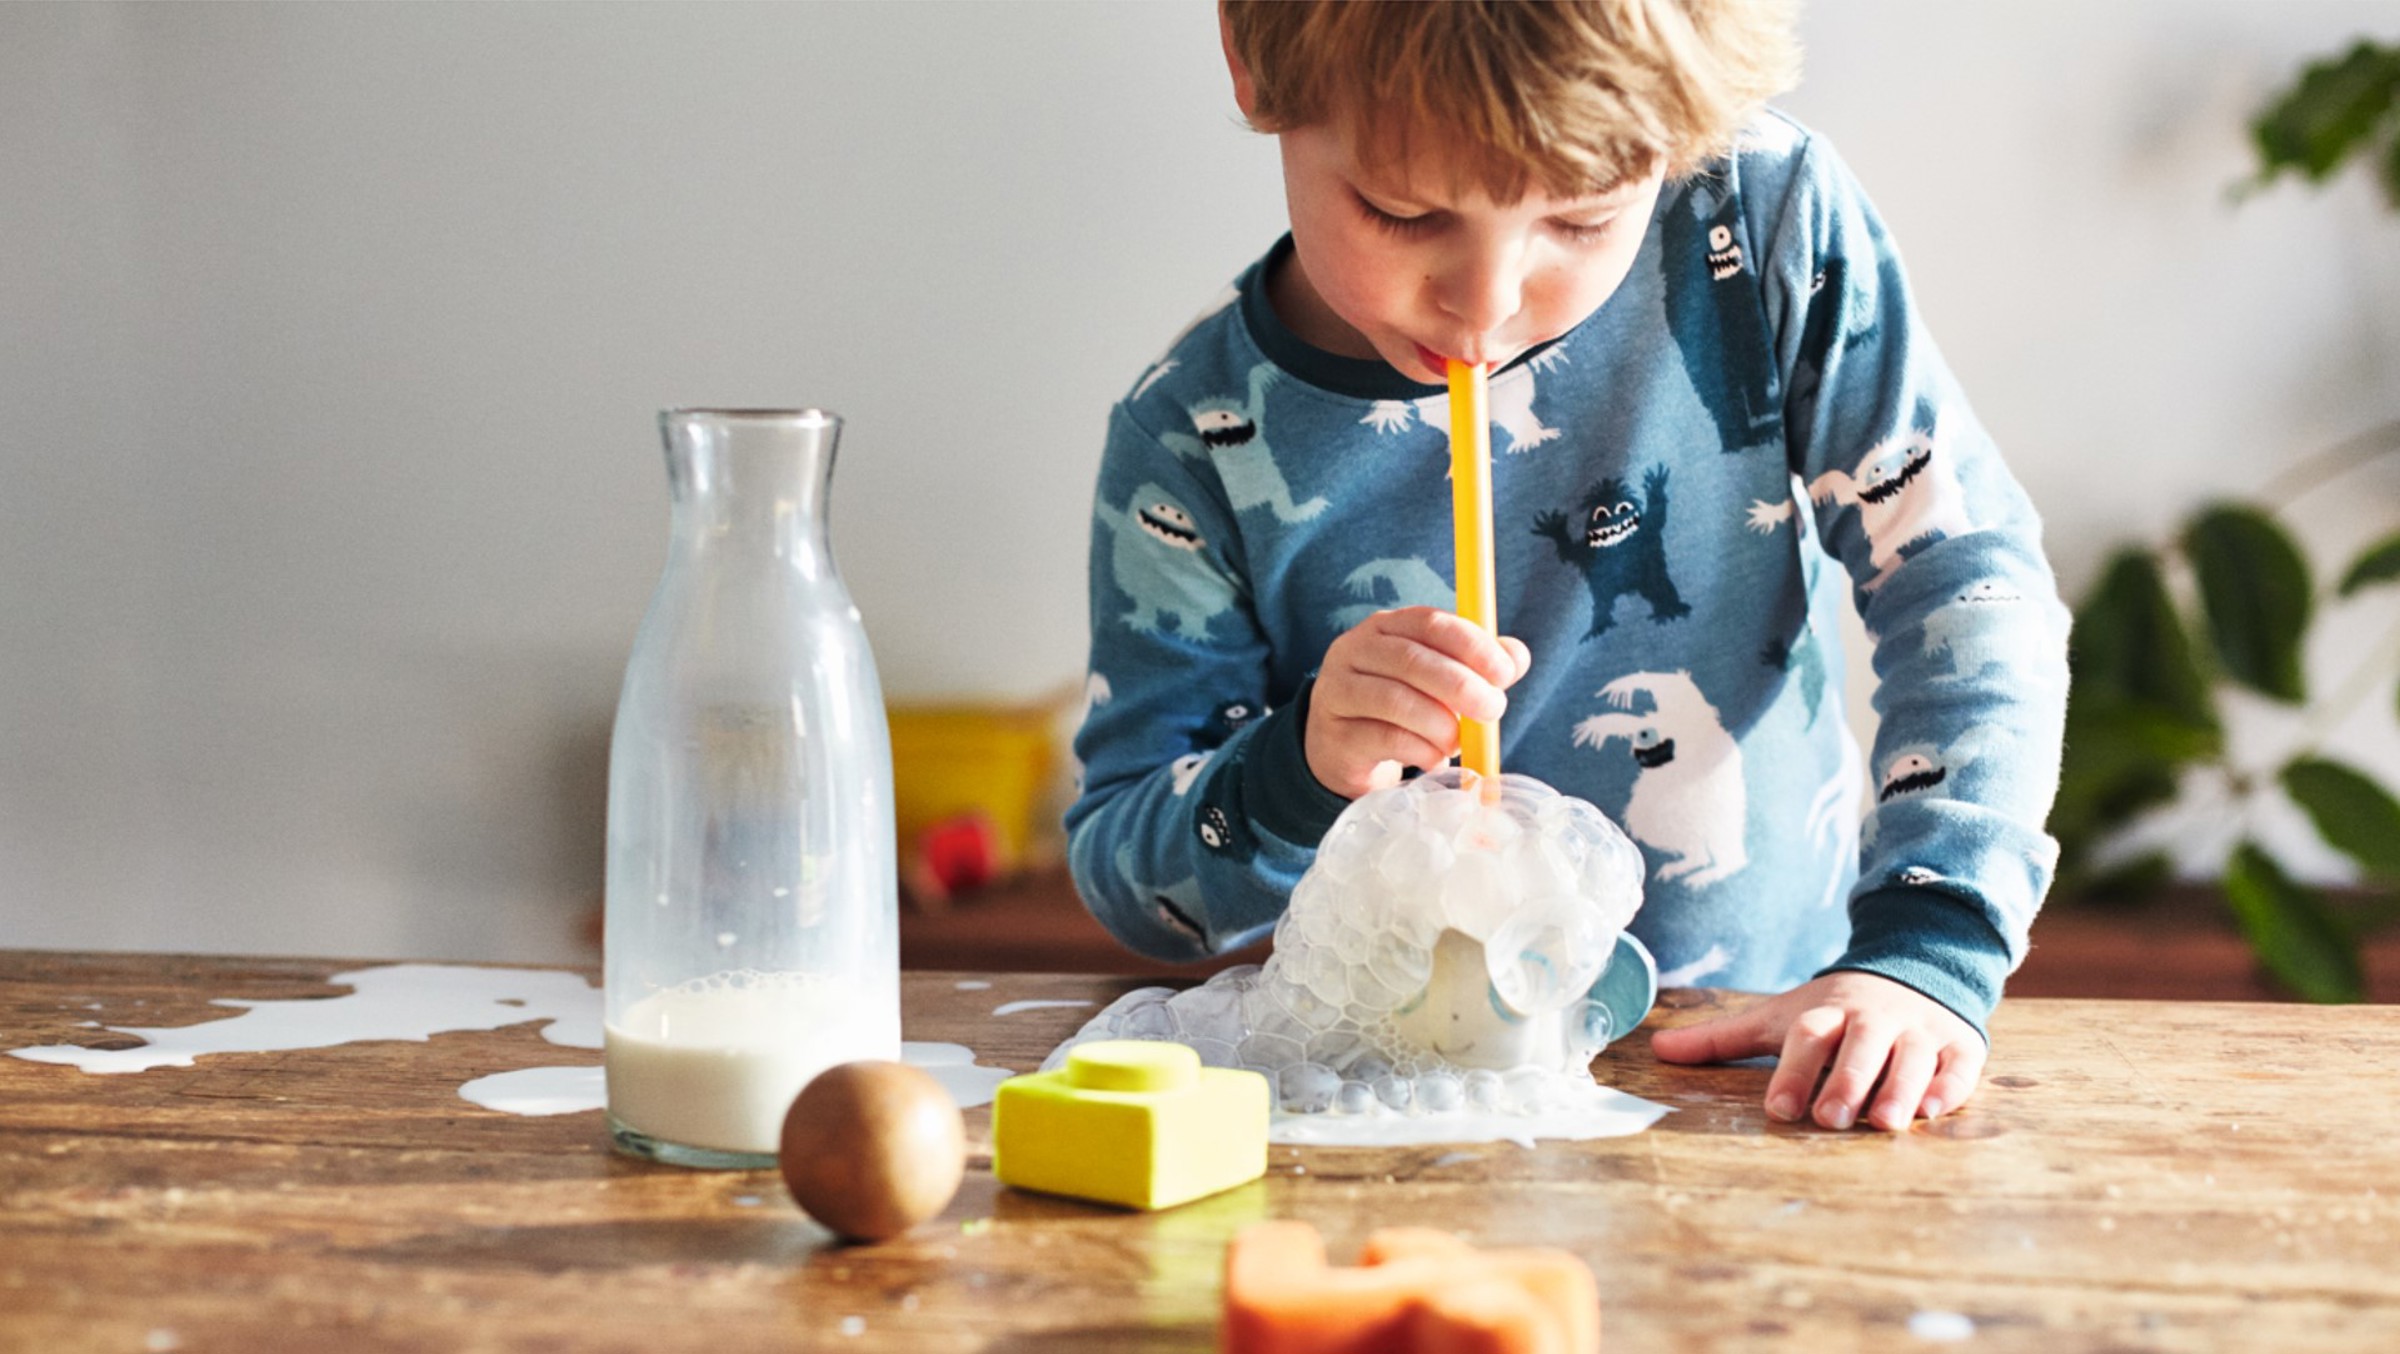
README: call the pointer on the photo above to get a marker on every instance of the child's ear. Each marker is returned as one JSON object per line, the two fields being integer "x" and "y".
{"x": 1245, "y": 91}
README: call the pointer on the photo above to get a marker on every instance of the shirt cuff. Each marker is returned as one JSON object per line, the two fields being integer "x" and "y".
{"x": 1931, "y": 942}
{"x": 1283, "y": 795}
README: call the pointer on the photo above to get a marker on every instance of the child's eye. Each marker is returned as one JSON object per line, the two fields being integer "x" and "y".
{"x": 1586, "y": 232}
{"x": 1393, "y": 222}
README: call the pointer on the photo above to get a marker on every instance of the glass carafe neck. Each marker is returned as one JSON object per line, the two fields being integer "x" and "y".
{"x": 752, "y": 479}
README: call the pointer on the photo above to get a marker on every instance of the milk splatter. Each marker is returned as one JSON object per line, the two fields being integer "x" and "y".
{"x": 1012, "y": 1007}
{"x": 417, "y": 1001}
{"x": 396, "y": 1001}
{"x": 539, "y": 1090}
{"x": 1942, "y": 1327}
{"x": 969, "y": 1083}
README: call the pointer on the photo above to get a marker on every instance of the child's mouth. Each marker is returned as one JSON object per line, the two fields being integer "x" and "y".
{"x": 1438, "y": 363}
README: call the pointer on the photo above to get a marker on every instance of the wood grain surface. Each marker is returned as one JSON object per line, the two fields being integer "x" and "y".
{"x": 2132, "y": 1176}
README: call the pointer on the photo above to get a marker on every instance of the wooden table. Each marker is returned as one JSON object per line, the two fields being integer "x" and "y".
{"x": 2133, "y": 1176}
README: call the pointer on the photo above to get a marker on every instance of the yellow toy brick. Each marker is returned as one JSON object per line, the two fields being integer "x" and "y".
{"x": 1131, "y": 1122}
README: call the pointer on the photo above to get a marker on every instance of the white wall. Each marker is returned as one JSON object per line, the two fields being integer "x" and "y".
{"x": 331, "y": 339}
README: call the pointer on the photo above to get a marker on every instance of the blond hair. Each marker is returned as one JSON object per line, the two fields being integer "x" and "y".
{"x": 1570, "y": 94}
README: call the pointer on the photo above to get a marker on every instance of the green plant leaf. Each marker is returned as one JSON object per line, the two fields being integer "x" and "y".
{"x": 2139, "y": 707}
{"x": 2380, "y": 563}
{"x": 2330, "y": 112}
{"x": 2391, "y": 174}
{"x": 2366, "y": 914}
{"x": 2353, "y": 814}
{"x": 2127, "y": 883}
{"x": 2296, "y": 938}
{"x": 2128, "y": 647}
{"x": 2120, "y": 758}
{"x": 2254, "y": 588}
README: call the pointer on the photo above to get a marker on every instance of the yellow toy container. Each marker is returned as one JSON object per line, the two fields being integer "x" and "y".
{"x": 954, "y": 761}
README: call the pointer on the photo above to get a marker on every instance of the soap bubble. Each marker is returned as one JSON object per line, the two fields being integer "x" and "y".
{"x": 1337, "y": 1047}
{"x": 1440, "y": 940}
{"x": 1476, "y": 897}
{"x": 1440, "y": 1092}
{"x": 1212, "y": 1010}
{"x": 1153, "y": 1021}
{"x": 1596, "y": 1023}
{"x": 1327, "y": 977}
{"x": 1271, "y": 1050}
{"x": 1307, "y": 1088}
{"x": 1213, "y": 1052}
{"x": 1400, "y": 964}
{"x": 1542, "y": 956}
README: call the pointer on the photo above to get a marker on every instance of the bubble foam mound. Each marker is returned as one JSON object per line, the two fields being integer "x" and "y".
{"x": 1438, "y": 956}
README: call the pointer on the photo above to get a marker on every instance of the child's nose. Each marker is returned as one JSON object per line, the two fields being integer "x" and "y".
{"x": 1482, "y": 291}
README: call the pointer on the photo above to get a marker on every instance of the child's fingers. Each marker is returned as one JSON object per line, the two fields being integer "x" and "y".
{"x": 1459, "y": 689}
{"x": 1519, "y": 654}
{"x": 1866, "y": 1048}
{"x": 1807, "y": 1046}
{"x": 1458, "y": 639}
{"x": 1961, "y": 1068}
{"x": 1915, "y": 1059}
{"x": 1379, "y": 698}
{"x": 1714, "y": 1041}
{"x": 1366, "y": 742}
{"x": 1346, "y": 752}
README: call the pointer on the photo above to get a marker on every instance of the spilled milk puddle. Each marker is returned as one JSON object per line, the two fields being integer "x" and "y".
{"x": 418, "y": 1001}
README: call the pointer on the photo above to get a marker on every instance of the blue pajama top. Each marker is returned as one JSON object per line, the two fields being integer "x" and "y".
{"x": 1682, "y": 485}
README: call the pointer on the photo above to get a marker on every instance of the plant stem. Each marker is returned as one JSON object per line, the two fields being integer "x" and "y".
{"x": 2324, "y": 715}
{"x": 2298, "y": 481}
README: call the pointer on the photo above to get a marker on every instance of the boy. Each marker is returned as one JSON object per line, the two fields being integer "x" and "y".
{"x": 1710, "y": 385}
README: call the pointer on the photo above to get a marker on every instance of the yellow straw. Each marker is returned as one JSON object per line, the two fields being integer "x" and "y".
{"x": 1471, "y": 529}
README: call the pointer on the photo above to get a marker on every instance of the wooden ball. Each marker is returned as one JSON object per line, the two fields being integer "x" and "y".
{"x": 871, "y": 1149}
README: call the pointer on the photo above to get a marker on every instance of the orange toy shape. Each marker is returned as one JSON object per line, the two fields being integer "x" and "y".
{"x": 1415, "y": 1290}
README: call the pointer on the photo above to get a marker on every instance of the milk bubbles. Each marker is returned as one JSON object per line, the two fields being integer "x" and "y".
{"x": 1438, "y": 956}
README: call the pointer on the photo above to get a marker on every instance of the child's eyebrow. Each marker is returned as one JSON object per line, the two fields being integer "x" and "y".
{"x": 1613, "y": 188}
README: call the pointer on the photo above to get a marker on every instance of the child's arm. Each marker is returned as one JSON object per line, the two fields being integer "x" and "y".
{"x": 1159, "y": 838}
{"x": 1944, "y": 551}
{"x": 1192, "y": 827}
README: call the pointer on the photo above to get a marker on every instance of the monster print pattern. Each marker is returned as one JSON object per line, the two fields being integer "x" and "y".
{"x": 1155, "y": 560}
{"x": 1232, "y": 435}
{"x": 1715, "y": 310}
{"x": 1907, "y": 494}
{"x": 1512, "y": 393}
{"x": 1622, "y": 549}
{"x": 1177, "y": 904}
{"x": 1387, "y": 584}
{"x": 1689, "y": 799}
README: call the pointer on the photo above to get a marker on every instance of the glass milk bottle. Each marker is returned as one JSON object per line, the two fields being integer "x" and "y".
{"x": 752, "y": 935}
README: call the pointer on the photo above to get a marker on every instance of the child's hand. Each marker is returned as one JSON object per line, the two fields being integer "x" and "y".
{"x": 1392, "y": 690}
{"x": 1856, "y": 1028}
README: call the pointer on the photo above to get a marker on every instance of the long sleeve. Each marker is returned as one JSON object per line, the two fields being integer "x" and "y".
{"x": 1943, "y": 550}
{"x": 1197, "y": 813}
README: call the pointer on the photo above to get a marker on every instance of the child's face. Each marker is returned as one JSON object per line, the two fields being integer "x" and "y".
{"x": 1393, "y": 263}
